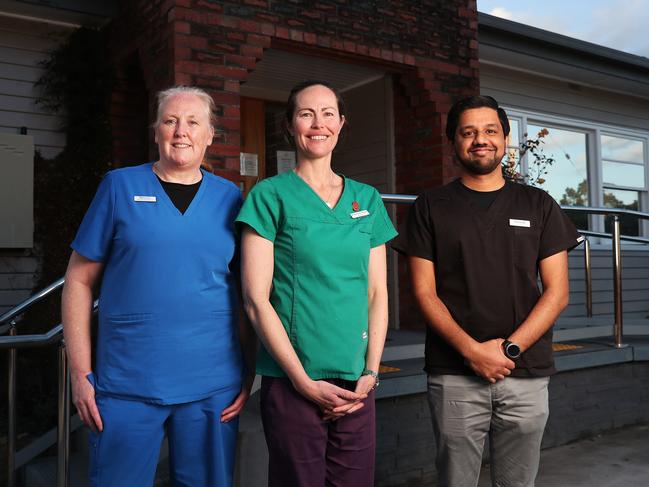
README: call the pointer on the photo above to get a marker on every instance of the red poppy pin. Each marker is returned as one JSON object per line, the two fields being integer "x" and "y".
{"x": 356, "y": 206}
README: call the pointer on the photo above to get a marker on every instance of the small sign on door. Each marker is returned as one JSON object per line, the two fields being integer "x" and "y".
{"x": 249, "y": 164}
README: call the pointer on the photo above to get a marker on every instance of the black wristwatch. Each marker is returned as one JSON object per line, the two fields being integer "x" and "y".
{"x": 511, "y": 350}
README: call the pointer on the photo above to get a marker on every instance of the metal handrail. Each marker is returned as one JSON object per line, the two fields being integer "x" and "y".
{"x": 599, "y": 210}
{"x": 628, "y": 238}
{"x": 22, "y": 307}
{"x": 14, "y": 342}
{"x": 32, "y": 341}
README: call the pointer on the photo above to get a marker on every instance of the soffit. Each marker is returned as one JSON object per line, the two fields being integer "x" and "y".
{"x": 278, "y": 71}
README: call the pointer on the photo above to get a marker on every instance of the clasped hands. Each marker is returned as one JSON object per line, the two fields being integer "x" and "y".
{"x": 334, "y": 401}
{"x": 488, "y": 360}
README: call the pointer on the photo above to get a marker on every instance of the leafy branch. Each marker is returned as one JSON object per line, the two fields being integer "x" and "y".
{"x": 539, "y": 162}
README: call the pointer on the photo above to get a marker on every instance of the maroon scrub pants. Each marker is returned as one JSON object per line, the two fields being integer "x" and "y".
{"x": 304, "y": 450}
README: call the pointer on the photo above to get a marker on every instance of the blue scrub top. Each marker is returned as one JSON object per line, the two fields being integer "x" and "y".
{"x": 168, "y": 308}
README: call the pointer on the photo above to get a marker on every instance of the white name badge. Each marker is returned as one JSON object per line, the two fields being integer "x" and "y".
{"x": 519, "y": 223}
{"x": 145, "y": 199}
{"x": 359, "y": 214}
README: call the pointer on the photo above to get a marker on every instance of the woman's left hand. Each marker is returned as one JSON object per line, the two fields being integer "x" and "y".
{"x": 363, "y": 386}
{"x": 233, "y": 410}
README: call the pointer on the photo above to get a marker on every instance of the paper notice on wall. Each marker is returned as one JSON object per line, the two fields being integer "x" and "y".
{"x": 249, "y": 164}
{"x": 285, "y": 161}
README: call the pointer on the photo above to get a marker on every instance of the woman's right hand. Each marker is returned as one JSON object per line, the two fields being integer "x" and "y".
{"x": 329, "y": 396}
{"x": 83, "y": 397}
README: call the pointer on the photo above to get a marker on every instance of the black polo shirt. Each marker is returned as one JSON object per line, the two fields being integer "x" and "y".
{"x": 486, "y": 265}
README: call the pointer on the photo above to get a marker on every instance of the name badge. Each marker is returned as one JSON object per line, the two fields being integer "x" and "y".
{"x": 145, "y": 199}
{"x": 519, "y": 223}
{"x": 359, "y": 214}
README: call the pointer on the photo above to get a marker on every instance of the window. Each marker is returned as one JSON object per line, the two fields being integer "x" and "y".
{"x": 623, "y": 178}
{"x": 593, "y": 165}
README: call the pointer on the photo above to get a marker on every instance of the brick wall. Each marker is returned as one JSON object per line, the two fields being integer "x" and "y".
{"x": 431, "y": 46}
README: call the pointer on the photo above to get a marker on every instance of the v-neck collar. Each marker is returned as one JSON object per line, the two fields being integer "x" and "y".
{"x": 167, "y": 200}
{"x": 483, "y": 216}
{"x": 309, "y": 189}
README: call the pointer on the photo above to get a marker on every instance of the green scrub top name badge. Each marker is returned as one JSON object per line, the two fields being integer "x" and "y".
{"x": 519, "y": 223}
{"x": 144, "y": 199}
{"x": 359, "y": 214}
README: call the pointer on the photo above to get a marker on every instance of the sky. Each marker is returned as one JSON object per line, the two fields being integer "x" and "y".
{"x": 619, "y": 24}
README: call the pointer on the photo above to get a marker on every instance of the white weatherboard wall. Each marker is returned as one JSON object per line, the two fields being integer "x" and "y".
{"x": 635, "y": 283}
{"x": 528, "y": 91}
{"x": 24, "y": 45}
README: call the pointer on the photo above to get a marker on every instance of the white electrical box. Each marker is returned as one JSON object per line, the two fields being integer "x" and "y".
{"x": 16, "y": 191}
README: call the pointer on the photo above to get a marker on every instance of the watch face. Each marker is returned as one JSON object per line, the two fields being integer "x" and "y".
{"x": 512, "y": 350}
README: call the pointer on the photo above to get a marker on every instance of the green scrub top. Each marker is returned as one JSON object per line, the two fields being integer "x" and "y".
{"x": 320, "y": 276}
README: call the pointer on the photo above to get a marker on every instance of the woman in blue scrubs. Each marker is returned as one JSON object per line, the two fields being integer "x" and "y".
{"x": 170, "y": 349}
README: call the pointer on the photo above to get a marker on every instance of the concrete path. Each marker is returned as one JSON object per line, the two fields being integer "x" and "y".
{"x": 616, "y": 459}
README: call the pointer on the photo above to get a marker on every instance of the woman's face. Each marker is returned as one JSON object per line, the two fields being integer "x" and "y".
{"x": 316, "y": 122}
{"x": 184, "y": 131}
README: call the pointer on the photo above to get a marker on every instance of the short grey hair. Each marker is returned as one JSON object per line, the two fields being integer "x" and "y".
{"x": 165, "y": 95}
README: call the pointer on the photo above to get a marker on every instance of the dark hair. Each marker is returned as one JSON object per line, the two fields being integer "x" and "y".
{"x": 477, "y": 101}
{"x": 290, "y": 104}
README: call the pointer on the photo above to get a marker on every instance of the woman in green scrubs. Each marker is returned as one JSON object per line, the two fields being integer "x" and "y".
{"x": 314, "y": 284}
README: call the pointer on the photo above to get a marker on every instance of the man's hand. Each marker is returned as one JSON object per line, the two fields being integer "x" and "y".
{"x": 83, "y": 397}
{"x": 488, "y": 360}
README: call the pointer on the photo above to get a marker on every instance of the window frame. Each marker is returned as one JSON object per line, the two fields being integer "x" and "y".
{"x": 594, "y": 157}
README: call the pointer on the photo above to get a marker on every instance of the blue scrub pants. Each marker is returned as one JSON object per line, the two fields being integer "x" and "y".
{"x": 202, "y": 450}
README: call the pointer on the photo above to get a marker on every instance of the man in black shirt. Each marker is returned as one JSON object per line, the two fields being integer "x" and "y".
{"x": 475, "y": 248}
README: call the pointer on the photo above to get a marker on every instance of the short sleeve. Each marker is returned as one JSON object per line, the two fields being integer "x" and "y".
{"x": 382, "y": 228}
{"x": 418, "y": 240}
{"x": 559, "y": 233}
{"x": 95, "y": 234}
{"x": 261, "y": 211}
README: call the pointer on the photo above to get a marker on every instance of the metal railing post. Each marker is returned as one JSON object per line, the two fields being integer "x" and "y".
{"x": 589, "y": 278}
{"x": 63, "y": 429}
{"x": 617, "y": 282}
{"x": 11, "y": 410}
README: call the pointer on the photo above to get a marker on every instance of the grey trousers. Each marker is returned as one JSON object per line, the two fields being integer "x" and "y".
{"x": 513, "y": 412}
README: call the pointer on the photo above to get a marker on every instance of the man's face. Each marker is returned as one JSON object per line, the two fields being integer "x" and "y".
{"x": 480, "y": 142}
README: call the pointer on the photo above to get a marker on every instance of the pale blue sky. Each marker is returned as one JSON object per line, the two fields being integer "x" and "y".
{"x": 619, "y": 24}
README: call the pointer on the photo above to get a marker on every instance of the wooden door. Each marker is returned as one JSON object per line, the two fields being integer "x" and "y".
{"x": 253, "y": 139}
